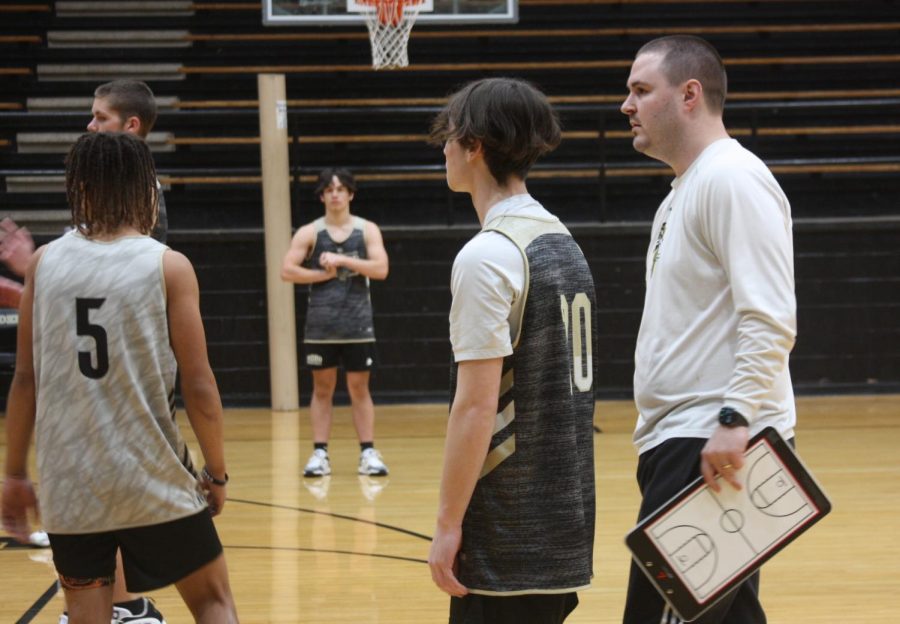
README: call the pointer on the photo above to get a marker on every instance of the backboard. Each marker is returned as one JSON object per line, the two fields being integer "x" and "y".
{"x": 336, "y": 12}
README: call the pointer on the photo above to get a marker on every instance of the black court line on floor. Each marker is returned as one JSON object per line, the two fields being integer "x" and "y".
{"x": 382, "y": 525}
{"x": 329, "y": 551}
{"x": 39, "y": 604}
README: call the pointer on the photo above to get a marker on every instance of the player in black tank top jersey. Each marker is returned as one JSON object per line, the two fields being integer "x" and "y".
{"x": 347, "y": 292}
{"x": 337, "y": 255}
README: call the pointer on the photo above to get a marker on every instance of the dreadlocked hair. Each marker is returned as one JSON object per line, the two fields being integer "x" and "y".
{"x": 111, "y": 183}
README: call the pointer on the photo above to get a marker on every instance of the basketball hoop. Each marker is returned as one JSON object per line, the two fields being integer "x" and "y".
{"x": 389, "y": 23}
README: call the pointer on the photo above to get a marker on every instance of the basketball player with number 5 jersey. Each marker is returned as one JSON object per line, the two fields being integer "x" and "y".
{"x": 108, "y": 317}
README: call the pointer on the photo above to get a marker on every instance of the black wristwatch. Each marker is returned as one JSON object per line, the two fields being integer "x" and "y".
{"x": 730, "y": 417}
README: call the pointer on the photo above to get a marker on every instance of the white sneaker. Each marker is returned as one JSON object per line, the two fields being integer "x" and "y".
{"x": 372, "y": 464}
{"x": 39, "y": 539}
{"x": 318, "y": 464}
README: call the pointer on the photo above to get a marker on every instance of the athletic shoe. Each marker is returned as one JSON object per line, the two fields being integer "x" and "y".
{"x": 371, "y": 487}
{"x": 318, "y": 487}
{"x": 140, "y": 611}
{"x": 372, "y": 464}
{"x": 39, "y": 539}
{"x": 318, "y": 464}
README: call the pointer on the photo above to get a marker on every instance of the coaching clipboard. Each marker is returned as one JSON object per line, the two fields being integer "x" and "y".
{"x": 701, "y": 544}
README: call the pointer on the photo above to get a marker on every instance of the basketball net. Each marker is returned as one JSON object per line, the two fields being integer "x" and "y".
{"x": 389, "y": 23}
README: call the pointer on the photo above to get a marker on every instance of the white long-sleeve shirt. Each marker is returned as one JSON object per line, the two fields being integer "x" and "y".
{"x": 720, "y": 312}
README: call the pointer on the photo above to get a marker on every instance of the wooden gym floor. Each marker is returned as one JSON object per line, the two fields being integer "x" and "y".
{"x": 356, "y": 553}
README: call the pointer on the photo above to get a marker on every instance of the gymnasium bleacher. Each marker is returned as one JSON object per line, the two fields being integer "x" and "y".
{"x": 813, "y": 91}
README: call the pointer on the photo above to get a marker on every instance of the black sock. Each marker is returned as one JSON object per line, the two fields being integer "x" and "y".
{"x": 321, "y": 445}
{"x": 366, "y": 445}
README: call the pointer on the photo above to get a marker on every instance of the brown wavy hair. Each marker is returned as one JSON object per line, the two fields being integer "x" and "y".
{"x": 511, "y": 118}
{"x": 111, "y": 183}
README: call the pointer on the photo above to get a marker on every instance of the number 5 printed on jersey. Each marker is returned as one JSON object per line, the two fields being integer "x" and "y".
{"x": 84, "y": 327}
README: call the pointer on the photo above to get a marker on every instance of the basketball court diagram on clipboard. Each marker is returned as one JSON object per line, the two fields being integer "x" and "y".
{"x": 701, "y": 544}
{"x": 709, "y": 538}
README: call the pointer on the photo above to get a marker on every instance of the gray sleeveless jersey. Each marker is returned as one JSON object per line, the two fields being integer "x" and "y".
{"x": 339, "y": 310}
{"x": 109, "y": 452}
{"x": 529, "y": 527}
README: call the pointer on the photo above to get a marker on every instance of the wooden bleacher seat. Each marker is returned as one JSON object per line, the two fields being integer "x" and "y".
{"x": 113, "y": 8}
{"x": 40, "y": 222}
{"x": 505, "y": 67}
{"x": 140, "y": 38}
{"x": 550, "y": 32}
{"x": 14, "y": 39}
{"x": 60, "y": 142}
{"x": 82, "y": 104}
{"x": 102, "y": 72}
{"x": 13, "y": 7}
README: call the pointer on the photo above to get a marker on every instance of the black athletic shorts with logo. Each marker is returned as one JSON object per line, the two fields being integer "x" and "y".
{"x": 154, "y": 556}
{"x": 355, "y": 357}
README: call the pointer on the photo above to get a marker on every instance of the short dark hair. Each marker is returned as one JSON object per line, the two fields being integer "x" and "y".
{"x": 111, "y": 183}
{"x": 130, "y": 98}
{"x": 344, "y": 175}
{"x": 686, "y": 57}
{"x": 511, "y": 118}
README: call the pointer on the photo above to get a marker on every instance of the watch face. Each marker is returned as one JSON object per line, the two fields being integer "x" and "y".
{"x": 730, "y": 417}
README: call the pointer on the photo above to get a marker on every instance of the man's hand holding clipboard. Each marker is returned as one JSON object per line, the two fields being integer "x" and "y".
{"x": 707, "y": 539}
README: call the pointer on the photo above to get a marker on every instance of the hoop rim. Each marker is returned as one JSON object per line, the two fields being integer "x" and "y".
{"x": 366, "y": 5}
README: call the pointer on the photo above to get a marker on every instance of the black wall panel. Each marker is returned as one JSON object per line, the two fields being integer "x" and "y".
{"x": 848, "y": 293}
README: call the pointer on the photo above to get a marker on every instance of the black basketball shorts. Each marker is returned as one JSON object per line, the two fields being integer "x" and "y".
{"x": 355, "y": 357}
{"x": 522, "y": 609}
{"x": 154, "y": 556}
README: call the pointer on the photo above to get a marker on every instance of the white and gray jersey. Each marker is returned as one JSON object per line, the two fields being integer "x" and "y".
{"x": 109, "y": 452}
{"x": 529, "y": 526}
{"x": 339, "y": 310}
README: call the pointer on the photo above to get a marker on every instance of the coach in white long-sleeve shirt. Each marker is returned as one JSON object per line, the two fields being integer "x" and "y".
{"x": 719, "y": 315}
{"x": 711, "y": 363}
